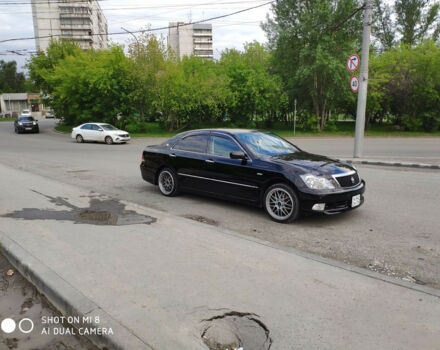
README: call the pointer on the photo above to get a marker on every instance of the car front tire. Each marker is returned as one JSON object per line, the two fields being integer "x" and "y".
{"x": 281, "y": 203}
{"x": 108, "y": 140}
{"x": 167, "y": 181}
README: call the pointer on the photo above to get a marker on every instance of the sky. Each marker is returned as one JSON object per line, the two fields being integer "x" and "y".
{"x": 230, "y": 32}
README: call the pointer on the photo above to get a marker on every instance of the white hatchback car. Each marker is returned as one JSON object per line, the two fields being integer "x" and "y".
{"x": 26, "y": 112}
{"x": 99, "y": 132}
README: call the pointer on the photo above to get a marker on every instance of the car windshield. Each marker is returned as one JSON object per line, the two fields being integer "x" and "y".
{"x": 266, "y": 144}
{"x": 25, "y": 119}
{"x": 108, "y": 127}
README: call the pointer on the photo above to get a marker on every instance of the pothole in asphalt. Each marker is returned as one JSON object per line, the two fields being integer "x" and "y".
{"x": 236, "y": 330}
{"x": 100, "y": 212}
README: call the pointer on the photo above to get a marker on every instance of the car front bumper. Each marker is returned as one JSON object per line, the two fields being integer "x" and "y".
{"x": 334, "y": 202}
{"x": 119, "y": 139}
{"x": 26, "y": 128}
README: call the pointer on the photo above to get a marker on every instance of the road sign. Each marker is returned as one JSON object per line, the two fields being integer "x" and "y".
{"x": 354, "y": 83}
{"x": 353, "y": 63}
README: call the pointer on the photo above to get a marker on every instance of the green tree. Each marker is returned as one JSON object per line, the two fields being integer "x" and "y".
{"x": 383, "y": 25}
{"x": 42, "y": 65}
{"x": 256, "y": 91}
{"x": 311, "y": 40}
{"x": 190, "y": 91}
{"x": 84, "y": 85}
{"x": 415, "y": 21}
{"x": 407, "y": 86}
{"x": 10, "y": 79}
{"x": 415, "y": 18}
{"x": 148, "y": 54}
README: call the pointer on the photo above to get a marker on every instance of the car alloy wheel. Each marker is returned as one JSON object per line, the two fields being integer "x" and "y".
{"x": 79, "y": 139}
{"x": 108, "y": 140}
{"x": 167, "y": 181}
{"x": 281, "y": 203}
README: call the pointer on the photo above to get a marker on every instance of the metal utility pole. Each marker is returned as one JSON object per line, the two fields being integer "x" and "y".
{"x": 362, "y": 97}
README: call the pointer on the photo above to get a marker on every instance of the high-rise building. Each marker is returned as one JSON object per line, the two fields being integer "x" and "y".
{"x": 81, "y": 21}
{"x": 191, "y": 39}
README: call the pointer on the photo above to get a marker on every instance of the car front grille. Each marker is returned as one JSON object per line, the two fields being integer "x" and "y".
{"x": 348, "y": 180}
{"x": 124, "y": 135}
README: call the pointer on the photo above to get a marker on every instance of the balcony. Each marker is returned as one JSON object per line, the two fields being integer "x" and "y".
{"x": 76, "y": 26}
{"x": 75, "y": 15}
{"x": 77, "y": 37}
{"x": 202, "y": 41}
{"x": 195, "y": 34}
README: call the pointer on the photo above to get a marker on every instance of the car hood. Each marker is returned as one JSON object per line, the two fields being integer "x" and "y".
{"x": 314, "y": 163}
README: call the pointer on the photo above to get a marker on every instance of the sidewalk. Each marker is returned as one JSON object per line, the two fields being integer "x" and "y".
{"x": 157, "y": 279}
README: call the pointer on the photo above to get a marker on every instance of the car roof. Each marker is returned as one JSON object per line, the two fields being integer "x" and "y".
{"x": 219, "y": 130}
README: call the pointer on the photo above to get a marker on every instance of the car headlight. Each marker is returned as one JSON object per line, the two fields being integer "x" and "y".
{"x": 35, "y": 123}
{"x": 317, "y": 182}
{"x": 20, "y": 123}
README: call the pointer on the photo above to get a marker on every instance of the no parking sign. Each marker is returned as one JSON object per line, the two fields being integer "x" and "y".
{"x": 353, "y": 63}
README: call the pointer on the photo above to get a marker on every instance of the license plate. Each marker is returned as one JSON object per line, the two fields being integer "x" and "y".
{"x": 28, "y": 128}
{"x": 356, "y": 200}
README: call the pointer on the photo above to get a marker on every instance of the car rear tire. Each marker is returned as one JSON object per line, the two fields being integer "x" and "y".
{"x": 79, "y": 139}
{"x": 108, "y": 140}
{"x": 167, "y": 181}
{"x": 281, "y": 203}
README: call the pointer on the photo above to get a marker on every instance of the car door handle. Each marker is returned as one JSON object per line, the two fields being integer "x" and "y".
{"x": 172, "y": 155}
{"x": 210, "y": 161}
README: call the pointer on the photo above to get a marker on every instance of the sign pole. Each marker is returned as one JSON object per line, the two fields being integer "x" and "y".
{"x": 362, "y": 97}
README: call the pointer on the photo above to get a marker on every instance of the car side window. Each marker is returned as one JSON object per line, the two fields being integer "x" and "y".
{"x": 86, "y": 127}
{"x": 95, "y": 127}
{"x": 196, "y": 143}
{"x": 222, "y": 147}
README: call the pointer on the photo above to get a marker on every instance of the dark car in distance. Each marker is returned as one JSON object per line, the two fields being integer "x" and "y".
{"x": 253, "y": 167}
{"x": 26, "y": 123}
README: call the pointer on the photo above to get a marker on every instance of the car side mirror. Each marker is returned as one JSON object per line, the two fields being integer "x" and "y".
{"x": 100, "y": 130}
{"x": 238, "y": 155}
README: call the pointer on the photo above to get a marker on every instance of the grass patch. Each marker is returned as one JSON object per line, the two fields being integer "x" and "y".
{"x": 7, "y": 119}
{"x": 67, "y": 129}
{"x": 337, "y": 129}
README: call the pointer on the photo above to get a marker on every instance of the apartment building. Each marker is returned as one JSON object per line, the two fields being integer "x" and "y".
{"x": 81, "y": 21}
{"x": 191, "y": 39}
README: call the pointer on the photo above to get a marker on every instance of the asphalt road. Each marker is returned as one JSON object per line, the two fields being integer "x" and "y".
{"x": 396, "y": 231}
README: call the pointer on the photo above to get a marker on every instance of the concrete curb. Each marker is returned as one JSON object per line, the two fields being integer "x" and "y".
{"x": 68, "y": 300}
{"x": 393, "y": 164}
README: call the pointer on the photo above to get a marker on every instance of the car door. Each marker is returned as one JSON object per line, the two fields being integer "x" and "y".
{"x": 96, "y": 133}
{"x": 85, "y": 132}
{"x": 188, "y": 158}
{"x": 233, "y": 178}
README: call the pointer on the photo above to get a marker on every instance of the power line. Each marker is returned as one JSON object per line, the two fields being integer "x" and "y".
{"x": 170, "y": 6}
{"x": 150, "y": 29}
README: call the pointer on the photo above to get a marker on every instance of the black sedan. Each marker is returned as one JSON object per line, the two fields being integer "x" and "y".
{"x": 25, "y": 123}
{"x": 254, "y": 167}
